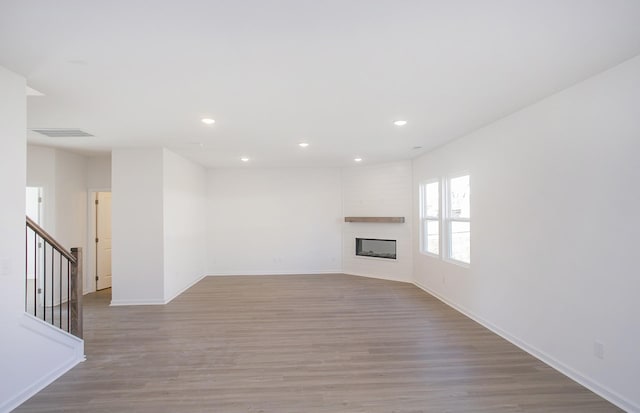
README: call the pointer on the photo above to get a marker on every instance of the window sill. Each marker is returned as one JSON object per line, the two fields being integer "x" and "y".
{"x": 458, "y": 263}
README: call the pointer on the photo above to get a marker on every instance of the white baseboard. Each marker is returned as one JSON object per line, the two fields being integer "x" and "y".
{"x": 191, "y": 284}
{"x": 378, "y": 277}
{"x": 600, "y": 390}
{"x": 257, "y": 273}
{"x": 116, "y": 303}
{"x": 44, "y": 329}
{"x": 53, "y": 333}
{"x": 38, "y": 385}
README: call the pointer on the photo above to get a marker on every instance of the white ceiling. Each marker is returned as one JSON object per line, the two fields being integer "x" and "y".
{"x": 335, "y": 73}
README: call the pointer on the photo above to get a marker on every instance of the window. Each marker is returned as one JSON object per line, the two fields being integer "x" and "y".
{"x": 454, "y": 220}
{"x": 430, "y": 213}
{"x": 458, "y": 219}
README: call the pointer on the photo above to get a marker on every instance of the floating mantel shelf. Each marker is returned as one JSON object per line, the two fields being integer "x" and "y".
{"x": 392, "y": 220}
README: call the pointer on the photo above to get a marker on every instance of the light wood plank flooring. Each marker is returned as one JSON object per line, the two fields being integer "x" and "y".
{"x": 325, "y": 343}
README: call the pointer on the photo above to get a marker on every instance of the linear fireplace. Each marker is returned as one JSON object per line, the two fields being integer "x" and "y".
{"x": 378, "y": 248}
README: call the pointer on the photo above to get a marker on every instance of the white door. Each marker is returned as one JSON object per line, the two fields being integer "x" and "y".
{"x": 103, "y": 240}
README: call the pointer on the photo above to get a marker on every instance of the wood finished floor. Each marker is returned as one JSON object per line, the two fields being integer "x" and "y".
{"x": 325, "y": 343}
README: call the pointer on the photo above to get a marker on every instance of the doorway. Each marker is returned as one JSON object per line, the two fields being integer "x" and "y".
{"x": 103, "y": 240}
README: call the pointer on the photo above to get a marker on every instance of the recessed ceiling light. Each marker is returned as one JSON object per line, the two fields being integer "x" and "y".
{"x": 208, "y": 121}
{"x": 303, "y": 144}
{"x": 399, "y": 122}
{"x": 358, "y": 159}
{"x": 244, "y": 159}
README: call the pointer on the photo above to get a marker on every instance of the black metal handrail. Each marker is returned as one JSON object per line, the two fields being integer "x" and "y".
{"x": 56, "y": 293}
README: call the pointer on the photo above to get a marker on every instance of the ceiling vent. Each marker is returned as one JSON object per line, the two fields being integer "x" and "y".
{"x": 62, "y": 133}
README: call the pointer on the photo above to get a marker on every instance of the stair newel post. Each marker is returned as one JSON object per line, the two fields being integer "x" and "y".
{"x": 76, "y": 293}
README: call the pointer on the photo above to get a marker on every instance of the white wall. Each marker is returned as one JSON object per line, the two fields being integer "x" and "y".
{"x": 279, "y": 221}
{"x": 71, "y": 200}
{"x": 137, "y": 227}
{"x": 99, "y": 172}
{"x": 36, "y": 354}
{"x": 555, "y": 227}
{"x": 378, "y": 190}
{"x": 41, "y": 166}
{"x": 184, "y": 185}
{"x": 158, "y": 231}
{"x": 63, "y": 178}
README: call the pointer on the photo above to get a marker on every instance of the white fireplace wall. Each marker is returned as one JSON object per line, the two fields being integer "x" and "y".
{"x": 378, "y": 190}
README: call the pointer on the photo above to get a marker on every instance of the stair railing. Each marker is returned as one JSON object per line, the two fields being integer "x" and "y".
{"x": 53, "y": 280}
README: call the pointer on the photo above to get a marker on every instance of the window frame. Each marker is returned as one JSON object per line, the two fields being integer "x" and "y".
{"x": 425, "y": 219}
{"x": 447, "y": 220}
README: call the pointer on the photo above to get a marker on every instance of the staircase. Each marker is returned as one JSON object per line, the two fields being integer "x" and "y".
{"x": 53, "y": 280}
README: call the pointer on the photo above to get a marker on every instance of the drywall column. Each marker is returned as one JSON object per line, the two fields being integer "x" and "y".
{"x": 13, "y": 119}
{"x": 184, "y": 197}
{"x": 137, "y": 226}
{"x": 33, "y": 353}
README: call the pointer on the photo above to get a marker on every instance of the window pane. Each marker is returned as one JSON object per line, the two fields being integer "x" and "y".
{"x": 432, "y": 236}
{"x": 432, "y": 202}
{"x": 460, "y": 193}
{"x": 461, "y": 241}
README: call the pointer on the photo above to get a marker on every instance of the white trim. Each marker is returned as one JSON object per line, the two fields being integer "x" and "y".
{"x": 191, "y": 284}
{"x": 46, "y": 330}
{"x": 445, "y": 226}
{"x": 116, "y": 303}
{"x": 51, "y": 332}
{"x": 38, "y": 386}
{"x": 377, "y": 258}
{"x": 377, "y": 277}
{"x": 590, "y": 384}
{"x": 430, "y": 254}
{"x": 422, "y": 209}
{"x": 258, "y": 273}
{"x": 90, "y": 254}
{"x": 423, "y": 248}
{"x": 457, "y": 262}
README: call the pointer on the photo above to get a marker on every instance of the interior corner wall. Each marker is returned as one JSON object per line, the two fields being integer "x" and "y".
{"x": 555, "y": 224}
{"x": 274, "y": 221}
{"x": 137, "y": 226}
{"x": 384, "y": 191}
{"x": 35, "y": 353}
{"x": 184, "y": 229}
